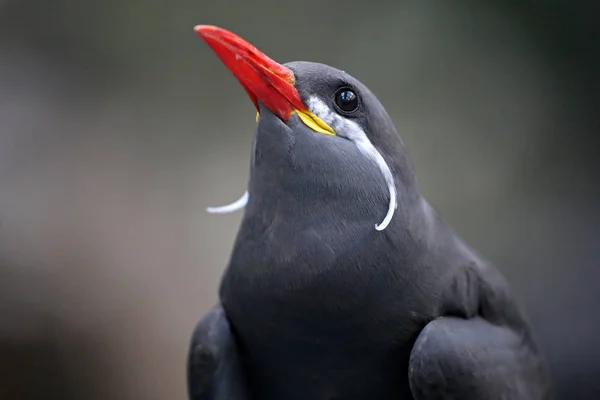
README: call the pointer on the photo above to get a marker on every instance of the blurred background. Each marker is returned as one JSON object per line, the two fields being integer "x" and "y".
{"x": 118, "y": 126}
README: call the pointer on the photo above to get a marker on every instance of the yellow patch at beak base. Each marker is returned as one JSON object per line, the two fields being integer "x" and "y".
{"x": 312, "y": 121}
{"x": 315, "y": 123}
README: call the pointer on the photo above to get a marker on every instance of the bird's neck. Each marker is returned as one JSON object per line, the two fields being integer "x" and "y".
{"x": 314, "y": 199}
{"x": 339, "y": 215}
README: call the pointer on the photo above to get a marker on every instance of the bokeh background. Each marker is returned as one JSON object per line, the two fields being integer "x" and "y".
{"x": 118, "y": 126}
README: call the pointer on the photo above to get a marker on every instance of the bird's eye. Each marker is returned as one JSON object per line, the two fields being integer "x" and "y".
{"x": 346, "y": 100}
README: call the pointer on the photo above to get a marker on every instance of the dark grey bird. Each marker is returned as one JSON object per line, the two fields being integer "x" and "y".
{"x": 344, "y": 283}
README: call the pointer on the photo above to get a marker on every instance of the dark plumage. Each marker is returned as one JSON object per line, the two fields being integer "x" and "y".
{"x": 318, "y": 304}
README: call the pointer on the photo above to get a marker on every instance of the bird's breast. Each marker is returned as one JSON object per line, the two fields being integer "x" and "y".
{"x": 312, "y": 283}
{"x": 311, "y": 308}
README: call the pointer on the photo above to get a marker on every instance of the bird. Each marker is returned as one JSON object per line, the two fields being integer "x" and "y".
{"x": 344, "y": 282}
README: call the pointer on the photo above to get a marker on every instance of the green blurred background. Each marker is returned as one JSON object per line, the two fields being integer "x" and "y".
{"x": 118, "y": 126}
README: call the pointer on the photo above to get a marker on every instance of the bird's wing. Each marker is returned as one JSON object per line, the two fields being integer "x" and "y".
{"x": 214, "y": 371}
{"x": 473, "y": 359}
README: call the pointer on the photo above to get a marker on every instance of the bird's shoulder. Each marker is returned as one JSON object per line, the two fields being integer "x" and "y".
{"x": 209, "y": 339}
{"x": 475, "y": 359}
{"x": 214, "y": 369}
{"x": 477, "y": 288}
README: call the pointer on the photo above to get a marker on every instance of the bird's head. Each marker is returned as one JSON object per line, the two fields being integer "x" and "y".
{"x": 323, "y": 139}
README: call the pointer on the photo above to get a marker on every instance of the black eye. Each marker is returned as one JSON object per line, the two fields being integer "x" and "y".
{"x": 346, "y": 100}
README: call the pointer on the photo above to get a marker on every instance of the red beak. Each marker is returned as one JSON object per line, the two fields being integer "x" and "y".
{"x": 262, "y": 78}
